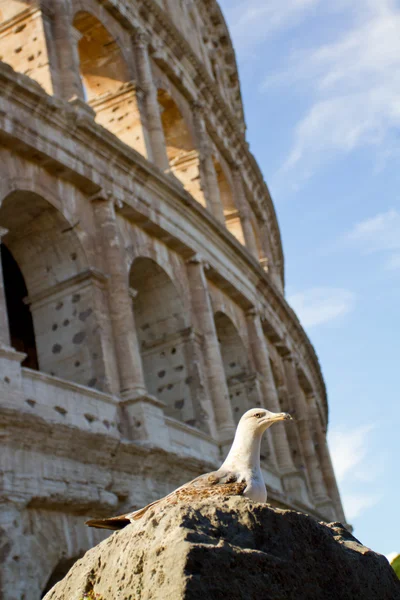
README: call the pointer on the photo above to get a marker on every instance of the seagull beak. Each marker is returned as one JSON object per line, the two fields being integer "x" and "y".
{"x": 280, "y": 417}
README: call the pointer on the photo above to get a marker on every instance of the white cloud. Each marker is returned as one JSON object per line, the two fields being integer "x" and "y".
{"x": 357, "y": 468}
{"x": 349, "y": 449}
{"x": 391, "y": 556}
{"x": 356, "y": 504}
{"x": 252, "y": 21}
{"x": 321, "y": 304}
{"x": 379, "y": 234}
{"x": 354, "y": 83}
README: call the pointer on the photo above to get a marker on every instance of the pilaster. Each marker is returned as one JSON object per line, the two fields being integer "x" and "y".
{"x": 157, "y": 151}
{"x": 325, "y": 461}
{"x": 208, "y": 174}
{"x": 260, "y": 354}
{"x": 204, "y": 319}
{"x": 314, "y": 473}
{"x": 62, "y": 43}
{"x": 142, "y": 415}
{"x": 244, "y": 211}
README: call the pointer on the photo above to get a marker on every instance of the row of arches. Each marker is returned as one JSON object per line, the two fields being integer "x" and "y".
{"x": 53, "y": 319}
{"x": 108, "y": 73}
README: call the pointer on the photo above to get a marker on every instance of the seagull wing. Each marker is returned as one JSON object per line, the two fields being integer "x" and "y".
{"x": 217, "y": 483}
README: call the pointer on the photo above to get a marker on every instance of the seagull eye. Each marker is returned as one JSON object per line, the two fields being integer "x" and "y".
{"x": 258, "y": 415}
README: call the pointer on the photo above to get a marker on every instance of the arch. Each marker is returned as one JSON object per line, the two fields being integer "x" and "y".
{"x": 23, "y": 41}
{"x": 231, "y": 212}
{"x": 52, "y": 261}
{"x": 165, "y": 341}
{"x": 235, "y": 361}
{"x": 182, "y": 154}
{"x": 22, "y": 334}
{"x": 107, "y": 82}
{"x": 60, "y": 571}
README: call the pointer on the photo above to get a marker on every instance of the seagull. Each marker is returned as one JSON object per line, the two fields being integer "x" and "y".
{"x": 239, "y": 475}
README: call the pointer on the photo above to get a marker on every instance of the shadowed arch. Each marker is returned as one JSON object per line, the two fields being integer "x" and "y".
{"x": 236, "y": 365}
{"x": 22, "y": 334}
{"x": 47, "y": 249}
{"x": 165, "y": 341}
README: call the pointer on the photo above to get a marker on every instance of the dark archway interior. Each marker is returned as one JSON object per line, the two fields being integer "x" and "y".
{"x": 19, "y": 316}
{"x": 60, "y": 572}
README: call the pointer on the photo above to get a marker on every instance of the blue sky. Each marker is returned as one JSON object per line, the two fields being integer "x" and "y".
{"x": 321, "y": 89}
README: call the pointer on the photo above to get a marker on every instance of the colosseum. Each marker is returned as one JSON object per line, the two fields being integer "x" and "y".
{"x": 142, "y": 297}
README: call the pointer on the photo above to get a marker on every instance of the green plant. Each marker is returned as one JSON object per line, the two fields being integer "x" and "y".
{"x": 395, "y": 562}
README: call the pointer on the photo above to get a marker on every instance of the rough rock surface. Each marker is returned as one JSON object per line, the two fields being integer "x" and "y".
{"x": 235, "y": 550}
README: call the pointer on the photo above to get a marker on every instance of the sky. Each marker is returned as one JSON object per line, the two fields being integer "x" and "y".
{"x": 321, "y": 90}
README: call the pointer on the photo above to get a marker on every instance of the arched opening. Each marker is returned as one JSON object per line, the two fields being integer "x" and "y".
{"x": 60, "y": 292}
{"x": 182, "y": 154}
{"x": 242, "y": 383}
{"x": 23, "y": 41}
{"x": 236, "y": 366}
{"x": 60, "y": 571}
{"x": 22, "y": 335}
{"x": 107, "y": 82}
{"x": 165, "y": 341}
{"x": 285, "y": 405}
{"x": 231, "y": 213}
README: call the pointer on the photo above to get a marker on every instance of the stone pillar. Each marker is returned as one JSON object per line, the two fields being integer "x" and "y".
{"x": 260, "y": 354}
{"x": 4, "y": 329}
{"x": 62, "y": 43}
{"x": 244, "y": 212}
{"x": 325, "y": 461}
{"x": 120, "y": 301}
{"x": 145, "y": 419}
{"x": 204, "y": 320}
{"x": 158, "y": 150}
{"x": 208, "y": 174}
{"x": 273, "y": 267}
{"x": 314, "y": 473}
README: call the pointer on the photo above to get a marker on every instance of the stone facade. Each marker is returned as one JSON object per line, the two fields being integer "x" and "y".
{"x": 142, "y": 305}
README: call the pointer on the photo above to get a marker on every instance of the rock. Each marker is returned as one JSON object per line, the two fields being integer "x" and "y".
{"x": 236, "y": 550}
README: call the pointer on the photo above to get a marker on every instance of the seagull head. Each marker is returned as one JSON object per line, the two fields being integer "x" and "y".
{"x": 258, "y": 420}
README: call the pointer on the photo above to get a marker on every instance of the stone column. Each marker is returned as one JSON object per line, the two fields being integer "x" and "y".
{"x": 271, "y": 400}
{"x": 4, "y": 328}
{"x": 120, "y": 301}
{"x": 204, "y": 320}
{"x": 325, "y": 461}
{"x": 62, "y": 44}
{"x": 158, "y": 150}
{"x": 244, "y": 212}
{"x": 208, "y": 174}
{"x": 142, "y": 416}
{"x": 314, "y": 473}
{"x": 273, "y": 267}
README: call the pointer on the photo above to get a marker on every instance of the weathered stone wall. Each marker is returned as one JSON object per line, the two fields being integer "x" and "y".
{"x": 150, "y": 277}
